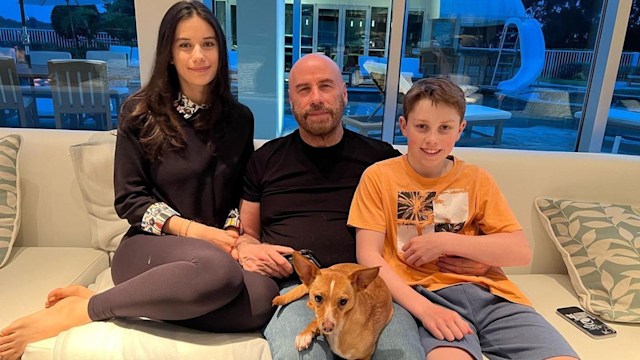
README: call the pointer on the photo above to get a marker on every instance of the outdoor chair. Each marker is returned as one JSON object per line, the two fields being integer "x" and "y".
{"x": 41, "y": 57}
{"x": 121, "y": 49}
{"x": 113, "y": 59}
{"x": 11, "y": 97}
{"x": 134, "y": 60}
{"x": 80, "y": 91}
{"x": 8, "y": 52}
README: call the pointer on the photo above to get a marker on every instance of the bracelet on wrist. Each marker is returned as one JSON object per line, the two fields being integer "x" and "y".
{"x": 184, "y": 227}
{"x": 186, "y": 231}
{"x": 233, "y": 221}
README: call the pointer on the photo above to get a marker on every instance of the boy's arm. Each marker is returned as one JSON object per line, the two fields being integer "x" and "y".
{"x": 441, "y": 322}
{"x": 500, "y": 249}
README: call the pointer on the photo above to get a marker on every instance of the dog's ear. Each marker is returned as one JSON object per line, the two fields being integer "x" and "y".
{"x": 360, "y": 279}
{"x": 307, "y": 271}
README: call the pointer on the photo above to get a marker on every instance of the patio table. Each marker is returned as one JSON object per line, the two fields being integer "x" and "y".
{"x": 476, "y": 115}
{"x": 116, "y": 94}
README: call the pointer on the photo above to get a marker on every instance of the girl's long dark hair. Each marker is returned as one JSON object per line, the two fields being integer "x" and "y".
{"x": 151, "y": 108}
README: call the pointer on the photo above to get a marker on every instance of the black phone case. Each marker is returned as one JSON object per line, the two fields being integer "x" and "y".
{"x": 306, "y": 253}
{"x": 586, "y": 322}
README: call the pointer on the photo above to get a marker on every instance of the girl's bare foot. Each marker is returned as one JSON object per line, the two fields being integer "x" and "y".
{"x": 67, "y": 313}
{"x": 73, "y": 290}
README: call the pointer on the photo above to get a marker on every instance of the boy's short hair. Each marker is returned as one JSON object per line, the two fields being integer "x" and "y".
{"x": 440, "y": 90}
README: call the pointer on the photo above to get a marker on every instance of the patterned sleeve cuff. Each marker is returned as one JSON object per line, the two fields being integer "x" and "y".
{"x": 156, "y": 215}
{"x": 233, "y": 220}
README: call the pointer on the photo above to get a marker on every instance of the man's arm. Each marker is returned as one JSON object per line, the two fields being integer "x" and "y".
{"x": 441, "y": 322}
{"x": 265, "y": 259}
{"x": 250, "y": 217}
{"x": 464, "y": 266}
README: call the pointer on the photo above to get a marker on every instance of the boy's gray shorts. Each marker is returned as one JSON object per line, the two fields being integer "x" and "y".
{"x": 501, "y": 329}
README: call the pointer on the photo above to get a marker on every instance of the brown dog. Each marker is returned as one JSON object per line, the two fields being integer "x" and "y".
{"x": 351, "y": 302}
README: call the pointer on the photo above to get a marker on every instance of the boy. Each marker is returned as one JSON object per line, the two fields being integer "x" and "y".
{"x": 412, "y": 210}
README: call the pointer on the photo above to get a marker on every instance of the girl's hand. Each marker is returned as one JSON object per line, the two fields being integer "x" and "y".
{"x": 226, "y": 239}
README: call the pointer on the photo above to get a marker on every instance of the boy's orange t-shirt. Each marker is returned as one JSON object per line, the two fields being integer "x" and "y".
{"x": 395, "y": 200}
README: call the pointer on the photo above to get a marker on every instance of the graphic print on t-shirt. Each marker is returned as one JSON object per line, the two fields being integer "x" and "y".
{"x": 422, "y": 212}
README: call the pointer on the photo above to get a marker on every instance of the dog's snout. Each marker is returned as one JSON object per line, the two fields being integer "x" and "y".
{"x": 327, "y": 327}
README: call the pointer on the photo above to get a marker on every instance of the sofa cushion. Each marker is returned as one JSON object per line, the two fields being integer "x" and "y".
{"x": 123, "y": 339}
{"x": 34, "y": 271}
{"x": 9, "y": 194}
{"x": 599, "y": 243}
{"x": 93, "y": 165}
{"x": 548, "y": 292}
{"x": 145, "y": 339}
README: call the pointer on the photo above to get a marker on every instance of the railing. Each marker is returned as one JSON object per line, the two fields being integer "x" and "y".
{"x": 51, "y": 39}
{"x": 556, "y": 59}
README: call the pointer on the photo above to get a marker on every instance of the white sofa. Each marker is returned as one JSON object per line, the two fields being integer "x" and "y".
{"x": 54, "y": 249}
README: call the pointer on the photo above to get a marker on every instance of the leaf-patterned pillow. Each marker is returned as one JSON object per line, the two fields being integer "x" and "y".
{"x": 600, "y": 245}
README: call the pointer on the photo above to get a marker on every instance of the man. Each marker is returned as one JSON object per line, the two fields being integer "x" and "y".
{"x": 298, "y": 190}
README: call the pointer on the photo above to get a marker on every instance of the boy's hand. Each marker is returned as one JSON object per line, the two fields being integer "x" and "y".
{"x": 444, "y": 324}
{"x": 426, "y": 248}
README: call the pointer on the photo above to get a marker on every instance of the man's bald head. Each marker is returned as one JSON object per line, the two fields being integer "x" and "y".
{"x": 317, "y": 95}
{"x": 314, "y": 62}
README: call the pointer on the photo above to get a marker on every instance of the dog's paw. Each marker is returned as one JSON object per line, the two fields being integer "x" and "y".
{"x": 278, "y": 300}
{"x": 303, "y": 340}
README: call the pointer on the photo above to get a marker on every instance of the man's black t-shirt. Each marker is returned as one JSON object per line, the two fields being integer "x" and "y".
{"x": 305, "y": 192}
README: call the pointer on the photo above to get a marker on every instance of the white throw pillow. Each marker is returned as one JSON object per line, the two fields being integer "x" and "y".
{"x": 93, "y": 164}
{"x": 9, "y": 194}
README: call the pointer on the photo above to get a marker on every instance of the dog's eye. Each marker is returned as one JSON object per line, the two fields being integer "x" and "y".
{"x": 318, "y": 298}
{"x": 343, "y": 302}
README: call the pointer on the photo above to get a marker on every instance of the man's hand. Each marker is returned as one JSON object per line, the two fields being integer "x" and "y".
{"x": 265, "y": 259}
{"x": 463, "y": 266}
{"x": 443, "y": 323}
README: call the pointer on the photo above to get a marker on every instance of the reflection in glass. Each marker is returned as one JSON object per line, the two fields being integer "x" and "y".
{"x": 306, "y": 33}
{"x": 378, "y": 32}
{"x": 354, "y": 36}
{"x": 328, "y": 32}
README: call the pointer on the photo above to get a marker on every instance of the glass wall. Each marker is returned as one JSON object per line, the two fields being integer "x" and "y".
{"x": 525, "y": 65}
{"x": 622, "y": 132}
{"x": 100, "y": 40}
{"x": 523, "y": 83}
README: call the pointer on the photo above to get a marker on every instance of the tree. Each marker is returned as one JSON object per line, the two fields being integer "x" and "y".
{"x": 567, "y": 24}
{"x": 119, "y": 20}
{"x": 632, "y": 40}
{"x": 573, "y": 24}
{"x": 71, "y": 21}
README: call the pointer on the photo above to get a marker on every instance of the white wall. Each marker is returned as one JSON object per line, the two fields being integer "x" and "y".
{"x": 148, "y": 17}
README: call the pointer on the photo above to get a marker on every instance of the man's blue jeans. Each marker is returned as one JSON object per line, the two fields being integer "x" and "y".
{"x": 399, "y": 339}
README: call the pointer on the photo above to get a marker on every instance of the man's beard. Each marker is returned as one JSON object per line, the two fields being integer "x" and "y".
{"x": 324, "y": 126}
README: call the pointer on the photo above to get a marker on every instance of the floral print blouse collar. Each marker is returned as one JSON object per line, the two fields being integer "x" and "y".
{"x": 186, "y": 107}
